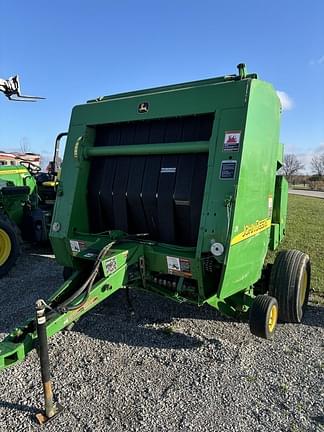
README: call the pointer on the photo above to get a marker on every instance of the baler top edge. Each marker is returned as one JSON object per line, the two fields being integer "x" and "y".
{"x": 171, "y": 87}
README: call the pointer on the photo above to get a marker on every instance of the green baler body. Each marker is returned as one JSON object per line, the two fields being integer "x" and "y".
{"x": 242, "y": 154}
{"x": 172, "y": 190}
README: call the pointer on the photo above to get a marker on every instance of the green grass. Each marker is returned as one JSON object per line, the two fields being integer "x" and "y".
{"x": 299, "y": 186}
{"x": 305, "y": 231}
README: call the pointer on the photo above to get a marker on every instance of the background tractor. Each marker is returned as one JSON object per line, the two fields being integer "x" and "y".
{"x": 18, "y": 193}
{"x": 27, "y": 198}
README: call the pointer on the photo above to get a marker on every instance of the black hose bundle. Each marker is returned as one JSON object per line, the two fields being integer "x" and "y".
{"x": 86, "y": 286}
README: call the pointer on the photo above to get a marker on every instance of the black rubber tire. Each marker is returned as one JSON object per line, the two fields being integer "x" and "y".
{"x": 260, "y": 313}
{"x": 11, "y": 229}
{"x": 288, "y": 286}
{"x": 67, "y": 273}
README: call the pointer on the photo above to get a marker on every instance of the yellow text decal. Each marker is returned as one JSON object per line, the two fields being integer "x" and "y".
{"x": 251, "y": 229}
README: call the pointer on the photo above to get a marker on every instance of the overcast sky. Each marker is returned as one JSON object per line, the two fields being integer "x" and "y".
{"x": 71, "y": 51}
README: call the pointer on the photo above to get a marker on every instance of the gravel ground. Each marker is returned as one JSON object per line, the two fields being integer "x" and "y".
{"x": 168, "y": 367}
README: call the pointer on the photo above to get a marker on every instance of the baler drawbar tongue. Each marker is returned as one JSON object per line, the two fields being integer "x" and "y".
{"x": 73, "y": 299}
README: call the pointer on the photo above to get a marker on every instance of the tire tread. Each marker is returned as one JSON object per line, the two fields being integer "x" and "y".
{"x": 284, "y": 279}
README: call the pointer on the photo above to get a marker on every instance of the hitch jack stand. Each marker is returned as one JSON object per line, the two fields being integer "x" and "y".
{"x": 51, "y": 408}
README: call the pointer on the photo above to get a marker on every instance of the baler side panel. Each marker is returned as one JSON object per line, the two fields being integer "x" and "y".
{"x": 70, "y": 210}
{"x": 255, "y": 191}
{"x": 216, "y": 222}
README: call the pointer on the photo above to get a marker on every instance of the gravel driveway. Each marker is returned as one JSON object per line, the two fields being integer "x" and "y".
{"x": 168, "y": 367}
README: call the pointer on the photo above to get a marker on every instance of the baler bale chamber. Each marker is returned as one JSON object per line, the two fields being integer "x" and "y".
{"x": 175, "y": 190}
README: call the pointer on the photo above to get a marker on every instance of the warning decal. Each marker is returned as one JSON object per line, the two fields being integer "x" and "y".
{"x": 227, "y": 171}
{"x": 77, "y": 246}
{"x": 111, "y": 265}
{"x": 179, "y": 266}
{"x": 173, "y": 263}
{"x": 232, "y": 140}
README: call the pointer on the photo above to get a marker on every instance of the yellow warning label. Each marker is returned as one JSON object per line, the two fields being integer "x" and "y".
{"x": 251, "y": 229}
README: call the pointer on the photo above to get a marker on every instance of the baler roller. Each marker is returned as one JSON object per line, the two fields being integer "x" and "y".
{"x": 148, "y": 149}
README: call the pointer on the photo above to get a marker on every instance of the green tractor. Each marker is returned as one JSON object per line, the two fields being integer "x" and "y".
{"x": 18, "y": 194}
{"x": 27, "y": 198}
{"x": 174, "y": 190}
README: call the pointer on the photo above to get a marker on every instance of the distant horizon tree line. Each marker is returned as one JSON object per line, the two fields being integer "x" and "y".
{"x": 292, "y": 167}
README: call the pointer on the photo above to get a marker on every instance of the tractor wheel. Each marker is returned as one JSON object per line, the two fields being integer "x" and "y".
{"x": 9, "y": 244}
{"x": 290, "y": 284}
{"x": 263, "y": 316}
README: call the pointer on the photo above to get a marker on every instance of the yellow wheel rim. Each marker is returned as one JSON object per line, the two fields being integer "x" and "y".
{"x": 303, "y": 288}
{"x": 50, "y": 183}
{"x": 5, "y": 246}
{"x": 273, "y": 317}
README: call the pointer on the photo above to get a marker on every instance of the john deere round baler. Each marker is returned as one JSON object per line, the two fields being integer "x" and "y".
{"x": 174, "y": 190}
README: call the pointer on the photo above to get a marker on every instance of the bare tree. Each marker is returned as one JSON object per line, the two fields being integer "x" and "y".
{"x": 24, "y": 145}
{"x": 291, "y": 165}
{"x": 318, "y": 164}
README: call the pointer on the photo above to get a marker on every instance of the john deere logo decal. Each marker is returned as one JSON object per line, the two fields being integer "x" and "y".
{"x": 143, "y": 107}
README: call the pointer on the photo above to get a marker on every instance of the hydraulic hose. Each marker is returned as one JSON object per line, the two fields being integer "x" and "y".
{"x": 86, "y": 286}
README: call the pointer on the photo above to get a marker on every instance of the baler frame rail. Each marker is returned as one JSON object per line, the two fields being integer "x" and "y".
{"x": 15, "y": 347}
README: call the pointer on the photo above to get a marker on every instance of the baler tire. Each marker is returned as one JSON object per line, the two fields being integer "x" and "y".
{"x": 263, "y": 316}
{"x": 290, "y": 284}
{"x": 9, "y": 244}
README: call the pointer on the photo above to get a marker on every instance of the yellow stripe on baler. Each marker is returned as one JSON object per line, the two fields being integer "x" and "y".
{"x": 251, "y": 230}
